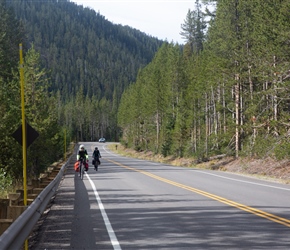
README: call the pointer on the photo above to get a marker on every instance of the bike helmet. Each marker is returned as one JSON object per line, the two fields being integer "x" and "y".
{"x": 96, "y": 147}
{"x": 82, "y": 147}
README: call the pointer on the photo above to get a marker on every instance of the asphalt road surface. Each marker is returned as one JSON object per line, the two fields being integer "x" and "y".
{"x": 136, "y": 204}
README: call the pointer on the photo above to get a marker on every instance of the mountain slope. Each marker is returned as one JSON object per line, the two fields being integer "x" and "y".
{"x": 82, "y": 48}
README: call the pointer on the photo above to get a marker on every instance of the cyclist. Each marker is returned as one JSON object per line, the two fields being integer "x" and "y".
{"x": 96, "y": 156}
{"x": 83, "y": 154}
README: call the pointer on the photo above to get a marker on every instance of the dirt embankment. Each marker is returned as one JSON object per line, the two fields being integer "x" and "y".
{"x": 266, "y": 168}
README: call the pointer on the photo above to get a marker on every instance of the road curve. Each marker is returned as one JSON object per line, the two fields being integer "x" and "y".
{"x": 137, "y": 204}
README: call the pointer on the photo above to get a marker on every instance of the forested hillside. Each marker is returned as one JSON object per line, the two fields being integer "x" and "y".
{"x": 226, "y": 93}
{"x": 76, "y": 66}
{"x": 91, "y": 61}
{"x": 40, "y": 107}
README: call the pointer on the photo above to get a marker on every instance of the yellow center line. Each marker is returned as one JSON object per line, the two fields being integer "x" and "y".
{"x": 248, "y": 209}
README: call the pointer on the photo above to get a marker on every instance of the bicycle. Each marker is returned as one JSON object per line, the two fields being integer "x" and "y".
{"x": 82, "y": 167}
{"x": 96, "y": 164}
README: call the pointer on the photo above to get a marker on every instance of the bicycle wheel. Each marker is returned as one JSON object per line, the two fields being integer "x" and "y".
{"x": 81, "y": 169}
{"x": 96, "y": 165}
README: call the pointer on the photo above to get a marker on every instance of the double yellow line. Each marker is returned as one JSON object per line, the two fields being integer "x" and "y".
{"x": 248, "y": 209}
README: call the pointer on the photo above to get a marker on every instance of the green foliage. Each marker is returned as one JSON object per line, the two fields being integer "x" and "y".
{"x": 282, "y": 150}
{"x": 230, "y": 98}
{"x": 147, "y": 107}
{"x": 5, "y": 180}
{"x": 193, "y": 28}
{"x": 167, "y": 144}
{"x": 11, "y": 35}
{"x": 85, "y": 52}
{"x": 9, "y": 92}
{"x": 40, "y": 110}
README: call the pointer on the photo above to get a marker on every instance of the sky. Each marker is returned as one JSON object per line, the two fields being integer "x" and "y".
{"x": 157, "y": 18}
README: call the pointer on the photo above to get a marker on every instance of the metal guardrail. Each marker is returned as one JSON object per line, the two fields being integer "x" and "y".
{"x": 15, "y": 236}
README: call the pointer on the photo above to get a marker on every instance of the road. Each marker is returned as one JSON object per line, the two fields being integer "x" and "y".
{"x": 137, "y": 204}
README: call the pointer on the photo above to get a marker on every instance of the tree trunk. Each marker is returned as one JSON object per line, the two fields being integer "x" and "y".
{"x": 224, "y": 109}
{"x": 157, "y": 131}
{"x": 207, "y": 125}
{"x": 237, "y": 113}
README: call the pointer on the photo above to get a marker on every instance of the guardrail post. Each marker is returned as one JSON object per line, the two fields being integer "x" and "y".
{"x": 20, "y": 229}
{"x": 4, "y": 203}
{"x": 4, "y": 224}
{"x": 14, "y": 199}
{"x": 35, "y": 183}
{"x": 21, "y": 191}
{"x": 13, "y": 212}
{"x": 37, "y": 190}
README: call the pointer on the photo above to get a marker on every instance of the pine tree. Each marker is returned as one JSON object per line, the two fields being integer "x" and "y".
{"x": 193, "y": 28}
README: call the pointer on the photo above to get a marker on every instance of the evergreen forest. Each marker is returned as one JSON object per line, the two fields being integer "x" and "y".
{"x": 225, "y": 92}
{"x": 90, "y": 62}
{"x": 76, "y": 66}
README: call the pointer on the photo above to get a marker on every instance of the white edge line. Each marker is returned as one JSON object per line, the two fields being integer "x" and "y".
{"x": 249, "y": 182}
{"x": 233, "y": 179}
{"x": 112, "y": 235}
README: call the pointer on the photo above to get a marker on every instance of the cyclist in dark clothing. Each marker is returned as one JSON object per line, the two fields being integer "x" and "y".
{"x": 83, "y": 154}
{"x": 96, "y": 156}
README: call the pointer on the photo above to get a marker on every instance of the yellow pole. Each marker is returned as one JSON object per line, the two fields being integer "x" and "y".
{"x": 65, "y": 145}
{"x": 24, "y": 153}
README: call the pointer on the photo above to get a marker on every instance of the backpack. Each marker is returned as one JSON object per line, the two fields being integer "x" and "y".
{"x": 76, "y": 166}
